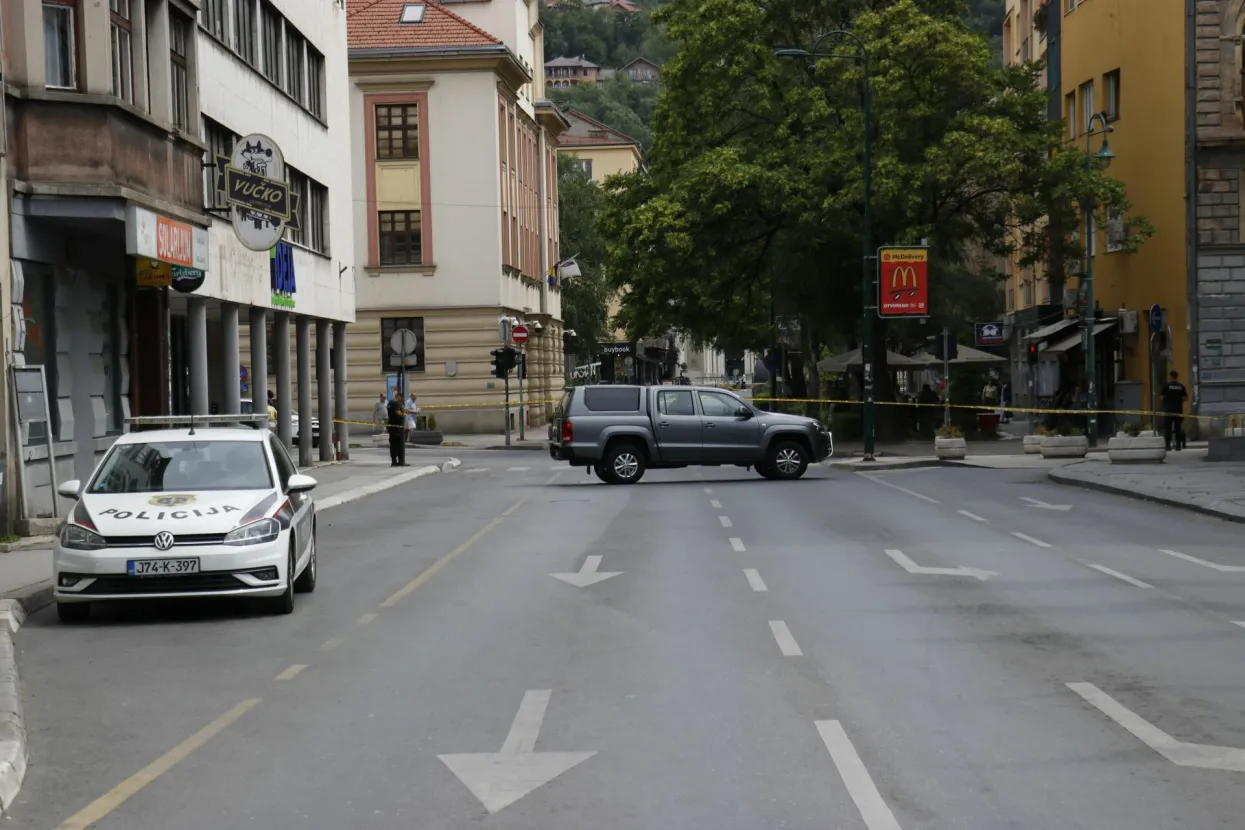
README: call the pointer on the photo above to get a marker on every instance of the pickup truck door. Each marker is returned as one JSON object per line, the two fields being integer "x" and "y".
{"x": 728, "y": 438}
{"x": 677, "y": 426}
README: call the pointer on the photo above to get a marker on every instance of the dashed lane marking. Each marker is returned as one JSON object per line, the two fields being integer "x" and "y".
{"x": 292, "y": 672}
{"x": 715, "y": 504}
{"x": 913, "y": 493}
{"x": 329, "y": 645}
{"x": 754, "y": 579}
{"x": 737, "y": 544}
{"x": 972, "y": 516}
{"x": 1122, "y": 577}
{"x": 1030, "y": 539}
{"x": 367, "y": 618}
{"x": 725, "y": 520}
{"x": 786, "y": 641}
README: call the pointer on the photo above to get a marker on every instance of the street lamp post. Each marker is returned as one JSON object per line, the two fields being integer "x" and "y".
{"x": 1097, "y": 126}
{"x": 868, "y": 266}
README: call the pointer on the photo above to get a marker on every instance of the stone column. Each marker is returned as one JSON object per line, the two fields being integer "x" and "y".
{"x": 341, "y": 404}
{"x": 324, "y": 390}
{"x": 302, "y": 342}
{"x": 259, "y": 359}
{"x": 281, "y": 345}
{"x": 196, "y": 337}
{"x": 230, "y": 401}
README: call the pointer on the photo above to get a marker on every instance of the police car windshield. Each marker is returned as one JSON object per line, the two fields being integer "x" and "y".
{"x": 178, "y": 466}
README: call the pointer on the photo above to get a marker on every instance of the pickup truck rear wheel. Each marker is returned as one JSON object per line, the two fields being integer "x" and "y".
{"x": 786, "y": 460}
{"x": 600, "y": 472}
{"x": 764, "y": 471}
{"x": 623, "y": 464}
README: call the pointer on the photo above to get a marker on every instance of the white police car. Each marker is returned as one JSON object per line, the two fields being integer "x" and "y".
{"x": 194, "y": 511}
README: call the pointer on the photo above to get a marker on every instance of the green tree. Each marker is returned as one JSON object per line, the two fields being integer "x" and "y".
{"x": 584, "y": 298}
{"x": 608, "y": 37}
{"x": 755, "y": 185}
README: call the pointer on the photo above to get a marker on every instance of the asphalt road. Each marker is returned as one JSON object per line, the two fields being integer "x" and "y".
{"x": 944, "y": 648}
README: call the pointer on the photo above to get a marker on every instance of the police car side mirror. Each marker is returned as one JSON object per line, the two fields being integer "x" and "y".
{"x": 300, "y": 484}
{"x": 70, "y": 489}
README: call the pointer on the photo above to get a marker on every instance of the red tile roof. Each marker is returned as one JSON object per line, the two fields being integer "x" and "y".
{"x": 373, "y": 24}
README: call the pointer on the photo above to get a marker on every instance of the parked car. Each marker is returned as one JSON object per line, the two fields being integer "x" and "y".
{"x": 248, "y": 407}
{"x": 621, "y": 431}
{"x": 186, "y": 513}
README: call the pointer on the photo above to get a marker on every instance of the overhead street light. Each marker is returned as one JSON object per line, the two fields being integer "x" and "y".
{"x": 1097, "y": 126}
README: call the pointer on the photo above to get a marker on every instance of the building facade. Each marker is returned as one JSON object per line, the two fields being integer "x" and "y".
{"x": 455, "y": 214}
{"x": 602, "y": 151}
{"x": 1217, "y": 252}
{"x": 568, "y": 72}
{"x": 129, "y": 295}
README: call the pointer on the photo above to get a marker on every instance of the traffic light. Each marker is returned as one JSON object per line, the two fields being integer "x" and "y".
{"x": 521, "y": 363}
{"x": 1033, "y": 352}
{"x": 945, "y": 347}
{"x": 503, "y": 361}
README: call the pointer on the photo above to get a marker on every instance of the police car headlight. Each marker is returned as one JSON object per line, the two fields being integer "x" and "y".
{"x": 75, "y": 537}
{"x": 256, "y": 533}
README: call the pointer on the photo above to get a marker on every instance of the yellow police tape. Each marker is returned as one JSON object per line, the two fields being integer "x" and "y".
{"x": 1233, "y": 419}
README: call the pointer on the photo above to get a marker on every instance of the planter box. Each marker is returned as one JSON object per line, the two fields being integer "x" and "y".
{"x": 1061, "y": 446}
{"x": 425, "y": 437}
{"x": 1124, "y": 449}
{"x": 1225, "y": 449}
{"x": 1033, "y": 444}
{"x": 950, "y": 448}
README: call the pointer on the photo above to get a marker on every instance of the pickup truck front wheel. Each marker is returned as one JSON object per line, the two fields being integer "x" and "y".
{"x": 786, "y": 460}
{"x": 623, "y": 464}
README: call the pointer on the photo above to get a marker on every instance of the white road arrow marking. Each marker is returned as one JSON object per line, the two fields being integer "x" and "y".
{"x": 499, "y": 779}
{"x": 1228, "y": 569}
{"x": 587, "y": 574}
{"x": 913, "y": 568}
{"x": 1046, "y": 505}
{"x": 1202, "y": 756}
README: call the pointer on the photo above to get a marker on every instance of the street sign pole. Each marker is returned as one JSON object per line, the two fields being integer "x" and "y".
{"x": 946, "y": 376}
{"x": 521, "y": 370}
{"x": 507, "y": 407}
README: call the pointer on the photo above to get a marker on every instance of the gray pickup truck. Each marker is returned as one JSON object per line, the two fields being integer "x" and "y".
{"x": 621, "y": 431}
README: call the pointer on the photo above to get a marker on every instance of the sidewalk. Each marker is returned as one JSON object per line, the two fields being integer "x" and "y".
{"x": 26, "y": 573}
{"x": 1186, "y": 480}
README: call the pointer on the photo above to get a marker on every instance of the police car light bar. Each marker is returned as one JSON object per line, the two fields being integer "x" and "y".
{"x": 193, "y": 421}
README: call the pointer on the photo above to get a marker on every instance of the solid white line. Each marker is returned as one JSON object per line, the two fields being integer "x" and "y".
{"x": 786, "y": 642}
{"x": 972, "y": 516}
{"x": 1228, "y": 569}
{"x": 382, "y": 485}
{"x": 518, "y": 469}
{"x": 291, "y": 672}
{"x": 737, "y": 544}
{"x": 754, "y": 579}
{"x": 715, "y": 503}
{"x": 901, "y": 489}
{"x": 859, "y": 784}
{"x": 1241, "y": 623}
{"x": 1030, "y": 539}
{"x": 1118, "y": 575}
{"x": 725, "y": 520}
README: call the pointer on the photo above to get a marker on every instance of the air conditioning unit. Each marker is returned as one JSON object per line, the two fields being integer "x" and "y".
{"x": 1128, "y": 321}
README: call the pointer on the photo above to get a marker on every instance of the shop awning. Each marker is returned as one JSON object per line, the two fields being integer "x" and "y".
{"x": 1046, "y": 332}
{"x": 1073, "y": 341}
{"x": 842, "y": 362}
{"x": 967, "y": 355}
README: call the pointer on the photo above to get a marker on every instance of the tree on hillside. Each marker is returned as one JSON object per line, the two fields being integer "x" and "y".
{"x": 619, "y": 103}
{"x": 754, "y": 192}
{"x": 584, "y": 298}
{"x": 608, "y": 37}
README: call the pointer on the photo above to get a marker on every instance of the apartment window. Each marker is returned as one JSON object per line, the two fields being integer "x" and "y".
{"x": 401, "y": 241}
{"x": 389, "y": 358}
{"x": 294, "y": 63}
{"x": 60, "y": 54}
{"x": 1011, "y": 298}
{"x": 298, "y": 184}
{"x": 586, "y": 166}
{"x": 213, "y": 17}
{"x": 397, "y": 131}
{"x": 219, "y": 140}
{"x": 1071, "y": 4}
{"x": 1069, "y": 107}
{"x": 244, "y": 22}
{"x": 1111, "y": 89}
{"x": 315, "y": 82}
{"x": 1116, "y": 232}
{"x": 179, "y": 45}
{"x": 271, "y": 32}
{"x": 122, "y": 39}
{"x": 312, "y": 201}
{"x": 1087, "y": 104}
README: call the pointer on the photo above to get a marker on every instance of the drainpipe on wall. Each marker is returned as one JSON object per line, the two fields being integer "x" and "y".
{"x": 542, "y": 194}
{"x": 10, "y": 486}
{"x": 1190, "y": 106}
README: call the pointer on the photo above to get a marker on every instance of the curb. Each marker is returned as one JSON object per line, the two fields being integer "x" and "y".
{"x": 389, "y": 483}
{"x": 1060, "y": 476}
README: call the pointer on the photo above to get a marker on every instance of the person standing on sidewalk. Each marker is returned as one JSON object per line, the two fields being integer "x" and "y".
{"x": 396, "y": 413}
{"x": 1174, "y": 396}
{"x": 380, "y": 412}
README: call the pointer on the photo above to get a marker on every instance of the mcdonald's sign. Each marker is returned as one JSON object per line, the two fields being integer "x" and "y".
{"x": 903, "y": 282}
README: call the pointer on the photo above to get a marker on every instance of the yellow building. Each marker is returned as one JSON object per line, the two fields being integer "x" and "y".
{"x": 603, "y": 151}
{"x": 1126, "y": 60}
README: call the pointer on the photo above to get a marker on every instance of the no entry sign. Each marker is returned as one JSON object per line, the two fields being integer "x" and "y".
{"x": 519, "y": 334}
{"x": 903, "y": 282}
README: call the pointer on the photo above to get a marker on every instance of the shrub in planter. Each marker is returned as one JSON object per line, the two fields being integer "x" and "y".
{"x": 1132, "y": 445}
{"x": 949, "y": 443}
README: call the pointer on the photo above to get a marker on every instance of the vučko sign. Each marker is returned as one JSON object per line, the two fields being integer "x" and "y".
{"x": 284, "y": 284}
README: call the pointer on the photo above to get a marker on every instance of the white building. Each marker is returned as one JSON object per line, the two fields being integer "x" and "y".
{"x": 456, "y": 221}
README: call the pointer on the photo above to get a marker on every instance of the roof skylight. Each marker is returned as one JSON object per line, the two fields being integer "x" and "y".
{"x": 412, "y": 13}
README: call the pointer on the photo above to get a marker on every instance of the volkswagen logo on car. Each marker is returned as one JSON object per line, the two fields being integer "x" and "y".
{"x": 164, "y": 540}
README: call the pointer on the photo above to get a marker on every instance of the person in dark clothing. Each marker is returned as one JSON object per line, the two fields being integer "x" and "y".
{"x": 396, "y": 422}
{"x": 1174, "y": 396}
{"x": 927, "y": 412}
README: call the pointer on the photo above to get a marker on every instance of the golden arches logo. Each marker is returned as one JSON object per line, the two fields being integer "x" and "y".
{"x": 901, "y": 275}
